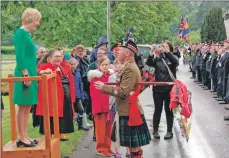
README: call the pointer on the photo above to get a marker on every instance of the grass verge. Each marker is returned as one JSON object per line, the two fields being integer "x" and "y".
{"x": 66, "y": 147}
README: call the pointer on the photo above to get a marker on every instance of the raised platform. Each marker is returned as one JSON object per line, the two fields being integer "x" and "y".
{"x": 10, "y": 150}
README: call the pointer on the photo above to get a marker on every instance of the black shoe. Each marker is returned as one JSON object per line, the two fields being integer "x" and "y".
{"x": 156, "y": 135}
{"x": 169, "y": 135}
{"x": 64, "y": 140}
{"x": 94, "y": 138}
{"x": 20, "y": 143}
{"x": 205, "y": 88}
{"x": 226, "y": 118}
{"x": 219, "y": 99}
{"x": 226, "y": 107}
{"x": 222, "y": 102}
{"x": 35, "y": 141}
{"x": 215, "y": 96}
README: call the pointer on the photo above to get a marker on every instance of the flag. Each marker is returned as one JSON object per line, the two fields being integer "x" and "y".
{"x": 181, "y": 27}
{"x": 185, "y": 31}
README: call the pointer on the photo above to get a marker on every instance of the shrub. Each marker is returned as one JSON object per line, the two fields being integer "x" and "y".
{"x": 7, "y": 49}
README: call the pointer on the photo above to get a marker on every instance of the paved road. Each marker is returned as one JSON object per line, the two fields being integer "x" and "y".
{"x": 210, "y": 133}
{"x": 156, "y": 148}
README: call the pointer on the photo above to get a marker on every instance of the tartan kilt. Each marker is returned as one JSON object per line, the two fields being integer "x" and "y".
{"x": 133, "y": 136}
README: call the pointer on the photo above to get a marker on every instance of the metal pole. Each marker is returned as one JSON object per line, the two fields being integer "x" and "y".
{"x": 108, "y": 23}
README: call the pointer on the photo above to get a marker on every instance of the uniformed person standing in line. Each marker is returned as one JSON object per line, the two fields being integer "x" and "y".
{"x": 135, "y": 136}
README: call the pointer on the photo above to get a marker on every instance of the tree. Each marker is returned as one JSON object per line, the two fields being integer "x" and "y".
{"x": 213, "y": 29}
{"x": 71, "y": 23}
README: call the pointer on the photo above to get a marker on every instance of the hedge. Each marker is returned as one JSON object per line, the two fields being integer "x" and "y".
{"x": 7, "y": 49}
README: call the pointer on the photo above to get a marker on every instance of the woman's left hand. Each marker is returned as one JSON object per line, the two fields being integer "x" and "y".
{"x": 48, "y": 71}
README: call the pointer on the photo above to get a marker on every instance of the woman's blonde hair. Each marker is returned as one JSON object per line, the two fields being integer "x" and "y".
{"x": 29, "y": 15}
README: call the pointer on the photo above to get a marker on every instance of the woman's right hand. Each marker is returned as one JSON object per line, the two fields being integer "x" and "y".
{"x": 27, "y": 83}
{"x": 26, "y": 74}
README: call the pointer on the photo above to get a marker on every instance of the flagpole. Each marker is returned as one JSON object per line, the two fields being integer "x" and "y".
{"x": 108, "y": 23}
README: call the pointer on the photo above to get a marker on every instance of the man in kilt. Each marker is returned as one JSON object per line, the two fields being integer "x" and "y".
{"x": 133, "y": 135}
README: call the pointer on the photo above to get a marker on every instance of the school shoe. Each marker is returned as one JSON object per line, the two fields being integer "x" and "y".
{"x": 156, "y": 135}
{"x": 226, "y": 107}
{"x": 94, "y": 138}
{"x": 219, "y": 99}
{"x": 226, "y": 118}
{"x": 223, "y": 102}
{"x": 169, "y": 135}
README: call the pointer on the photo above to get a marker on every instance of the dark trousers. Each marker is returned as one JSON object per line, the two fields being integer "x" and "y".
{"x": 203, "y": 74}
{"x": 36, "y": 119}
{"x": 214, "y": 80}
{"x": 227, "y": 90}
{"x": 87, "y": 106}
{"x": 194, "y": 74}
{"x": 208, "y": 80}
{"x": 219, "y": 87}
{"x": 160, "y": 99}
{"x": 198, "y": 72}
{"x": 78, "y": 106}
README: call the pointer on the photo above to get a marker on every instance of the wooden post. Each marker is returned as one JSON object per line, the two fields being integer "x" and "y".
{"x": 45, "y": 101}
{"x": 55, "y": 108}
{"x": 12, "y": 110}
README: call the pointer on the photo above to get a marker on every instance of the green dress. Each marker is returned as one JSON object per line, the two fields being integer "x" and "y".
{"x": 25, "y": 51}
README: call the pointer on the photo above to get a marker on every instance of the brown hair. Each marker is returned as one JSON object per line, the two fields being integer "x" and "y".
{"x": 77, "y": 48}
{"x": 102, "y": 60}
{"x": 103, "y": 49}
{"x": 170, "y": 45}
{"x": 58, "y": 48}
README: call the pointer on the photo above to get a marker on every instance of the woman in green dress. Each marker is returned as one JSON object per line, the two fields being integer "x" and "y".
{"x": 25, "y": 93}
